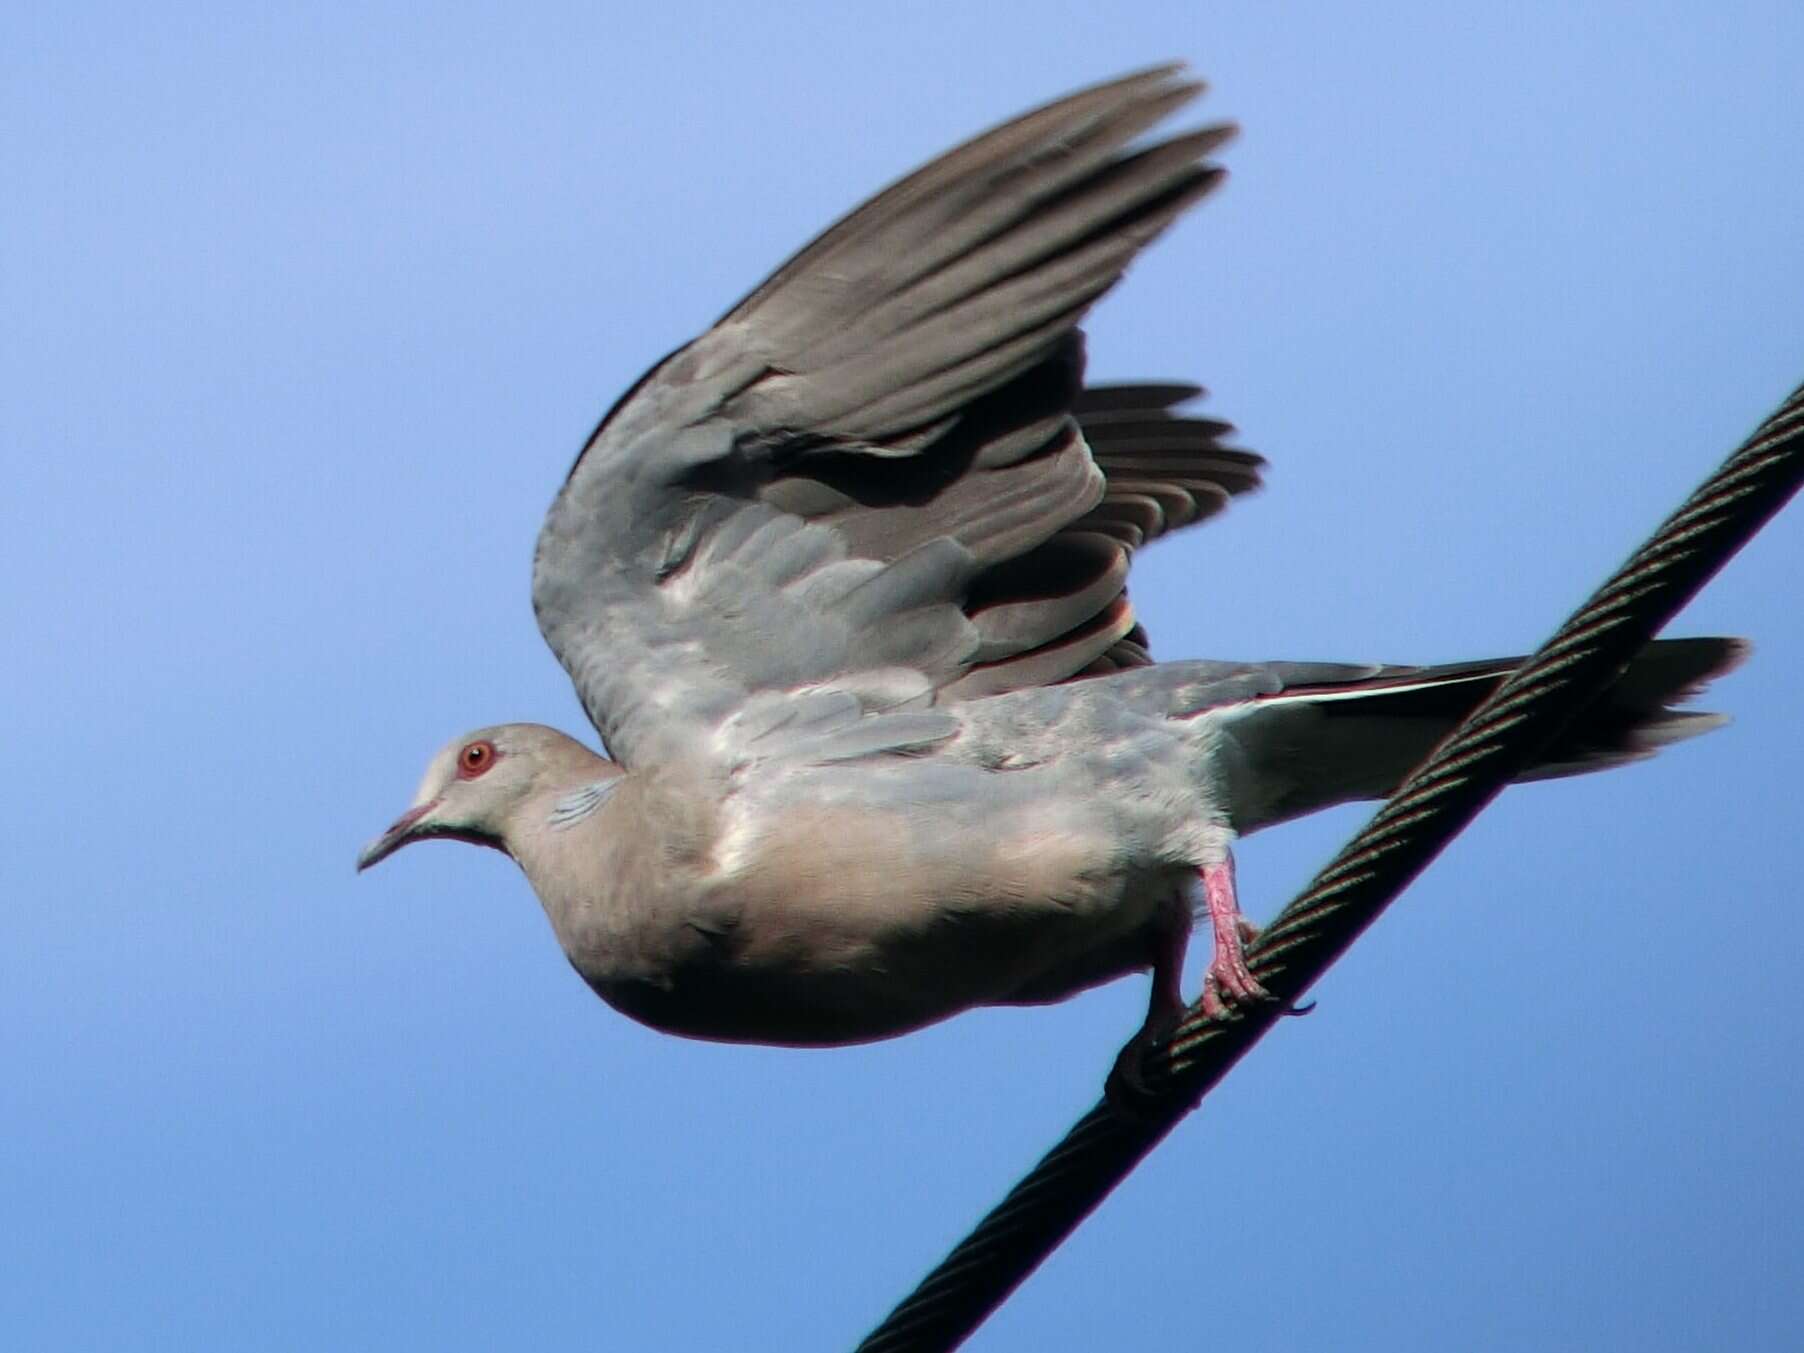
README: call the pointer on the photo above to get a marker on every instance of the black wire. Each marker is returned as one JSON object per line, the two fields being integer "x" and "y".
{"x": 1468, "y": 770}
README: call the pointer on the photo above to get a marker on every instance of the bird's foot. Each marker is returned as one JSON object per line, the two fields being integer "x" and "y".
{"x": 1229, "y": 982}
{"x": 1130, "y": 1087}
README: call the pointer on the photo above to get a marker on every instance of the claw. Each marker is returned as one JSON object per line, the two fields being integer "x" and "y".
{"x": 1214, "y": 1007}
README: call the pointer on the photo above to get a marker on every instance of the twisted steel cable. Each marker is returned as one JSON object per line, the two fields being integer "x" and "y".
{"x": 1495, "y": 743}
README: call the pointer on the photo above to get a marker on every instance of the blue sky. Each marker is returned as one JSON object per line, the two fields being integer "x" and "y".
{"x": 302, "y": 316}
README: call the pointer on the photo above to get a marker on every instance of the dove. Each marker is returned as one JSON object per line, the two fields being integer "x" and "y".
{"x": 842, "y": 586}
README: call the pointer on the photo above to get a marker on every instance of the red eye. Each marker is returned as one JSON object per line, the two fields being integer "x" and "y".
{"x": 474, "y": 759}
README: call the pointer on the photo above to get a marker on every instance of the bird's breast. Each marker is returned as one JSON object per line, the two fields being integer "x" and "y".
{"x": 835, "y": 923}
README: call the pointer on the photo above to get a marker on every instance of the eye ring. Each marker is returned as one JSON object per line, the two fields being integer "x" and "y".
{"x": 475, "y": 758}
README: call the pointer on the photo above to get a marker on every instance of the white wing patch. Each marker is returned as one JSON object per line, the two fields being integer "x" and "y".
{"x": 733, "y": 849}
{"x": 1379, "y": 687}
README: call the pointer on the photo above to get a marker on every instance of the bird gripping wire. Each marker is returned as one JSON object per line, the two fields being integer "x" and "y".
{"x": 1430, "y": 808}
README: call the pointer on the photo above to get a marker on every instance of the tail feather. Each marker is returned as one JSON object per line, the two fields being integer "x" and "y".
{"x": 1635, "y": 718}
{"x": 1305, "y": 744}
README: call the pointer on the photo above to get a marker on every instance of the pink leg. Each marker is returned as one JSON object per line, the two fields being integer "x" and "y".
{"x": 1229, "y": 982}
{"x": 1164, "y": 1008}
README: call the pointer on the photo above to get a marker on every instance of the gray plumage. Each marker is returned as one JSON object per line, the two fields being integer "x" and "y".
{"x": 842, "y": 584}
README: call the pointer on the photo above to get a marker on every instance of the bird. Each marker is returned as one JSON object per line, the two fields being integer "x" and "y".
{"x": 842, "y": 586}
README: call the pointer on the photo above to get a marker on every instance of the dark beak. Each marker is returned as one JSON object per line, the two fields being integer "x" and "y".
{"x": 405, "y": 830}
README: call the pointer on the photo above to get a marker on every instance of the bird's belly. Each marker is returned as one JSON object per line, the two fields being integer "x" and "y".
{"x": 872, "y": 927}
{"x": 735, "y": 1004}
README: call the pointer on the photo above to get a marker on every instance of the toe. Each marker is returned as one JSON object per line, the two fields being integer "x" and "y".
{"x": 1233, "y": 982}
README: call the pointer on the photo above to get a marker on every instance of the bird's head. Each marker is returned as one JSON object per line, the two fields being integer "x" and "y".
{"x": 475, "y": 787}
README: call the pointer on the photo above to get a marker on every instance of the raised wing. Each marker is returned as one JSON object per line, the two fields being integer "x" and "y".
{"x": 868, "y": 488}
{"x": 1162, "y": 471}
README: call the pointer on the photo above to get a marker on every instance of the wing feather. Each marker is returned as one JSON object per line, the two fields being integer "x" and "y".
{"x": 878, "y": 483}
